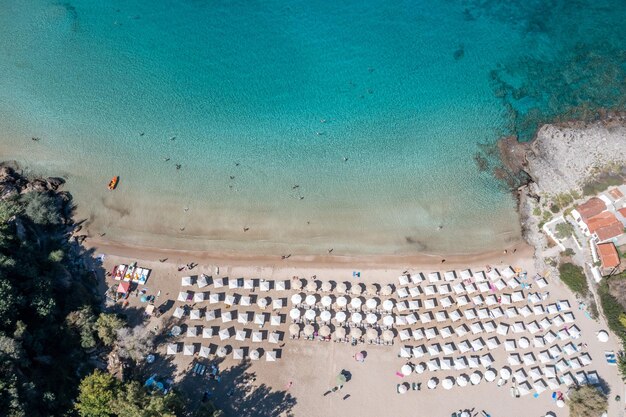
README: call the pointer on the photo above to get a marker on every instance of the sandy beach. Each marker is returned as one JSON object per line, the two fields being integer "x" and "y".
{"x": 295, "y": 384}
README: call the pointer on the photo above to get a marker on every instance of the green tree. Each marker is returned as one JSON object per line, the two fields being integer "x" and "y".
{"x": 96, "y": 395}
{"x": 564, "y": 230}
{"x": 42, "y": 208}
{"x": 107, "y": 326}
{"x": 586, "y": 401}
{"x": 83, "y": 322}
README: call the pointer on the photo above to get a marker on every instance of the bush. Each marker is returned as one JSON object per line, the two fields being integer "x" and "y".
{"x": 612, "y": 309}
{"x": 586, "y": 401}
{"x": 574, "y": 277}
{"x": 96, "y": 394}
{"x": 83, "y": 322}
{"x": 42, "y": 208}
{"x": 564, "y": 230}
{"x": 568, "y": 252}
{"x": 554, "y": 208}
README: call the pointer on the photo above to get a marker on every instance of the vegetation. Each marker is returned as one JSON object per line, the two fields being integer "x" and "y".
{"x": 107, "y": 326}
{"x": 568, "y": 253}
{"x": 45, "y": 307}
{"x": 602, "y": 183}
{"x": 564, "y": 230}
{"x": 613, "y": 310}
{"x": 586, "y": 401}
{"x": 101, "y": 395}
{"x": 574, "y": 277}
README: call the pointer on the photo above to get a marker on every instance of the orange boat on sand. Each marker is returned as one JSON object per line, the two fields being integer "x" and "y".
{"x": 113, "y": 182}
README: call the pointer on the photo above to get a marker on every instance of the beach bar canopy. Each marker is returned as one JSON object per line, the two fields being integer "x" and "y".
{"x": 123, "y": 288}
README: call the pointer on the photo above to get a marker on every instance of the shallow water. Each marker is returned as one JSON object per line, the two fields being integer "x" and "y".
{"x": 374, "y": 110}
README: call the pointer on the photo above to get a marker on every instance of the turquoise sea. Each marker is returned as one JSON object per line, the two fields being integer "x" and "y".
{"x": 351, "y": 125}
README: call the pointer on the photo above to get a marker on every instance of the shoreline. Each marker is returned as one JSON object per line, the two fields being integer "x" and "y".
{"x": 519, "y": 253}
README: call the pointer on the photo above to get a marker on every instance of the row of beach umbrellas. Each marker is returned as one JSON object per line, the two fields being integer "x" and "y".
{"x": 340, "y": 332}
{"x": 342, "y": 287}
{"x": 221, "y": 351}
{"x": 341, "y": 301}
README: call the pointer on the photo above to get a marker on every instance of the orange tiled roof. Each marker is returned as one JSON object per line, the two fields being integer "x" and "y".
{"x": 610, "y": 231}
{"x": 604, "y": 219}
{"x": 591, "y": 207}
{"x": 622, "y": 211}
{"x": 608, "y": 255}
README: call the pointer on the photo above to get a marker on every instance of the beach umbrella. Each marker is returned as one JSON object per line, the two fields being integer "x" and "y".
{"x": 371, "y": 303}
{"x": 386, "y": 290}
{"x": 310, "y": 300}
{"x": 188, "y": 350}
{"x": 294, "y": 313}
{"x": 280, "y": 285}
{"x": 560, "y": 403}
{"x": 182, "y": 296}
{"x": 388, "y": 305}
{"x": 248, "y": 284}
{"x": 194, "y": 314}
{"x": 523, "y": 343}
{"x": 359, "y": 357}
{"x": 172, "y": 349}
{"x": 406, "y": 369}
{"x": 388, "y": 321}
{"x": 178, "y": 313}
{"x": 233, "y": 283}
{"x": 340, "y": 316}
{"x": 341, "y": 301}
{"x": 277, "y": 304}
{"x": 602, "y": 336}
{"x": 176, "y": 331}
{"x": 405, "y": 352}
{"x": 227, "y": 316}
{"x": 264, "y": 285}
{"x": 207, "y": 333}
{"x": 342, "y": 288}
{"x": 309, "y": 315}
{"x": 356, "y": 289}
{"x": 356, "y": 303}
{"x": 273, "y": 338}
{"x": 432, "y": 383}
{"x": 221, "y": 351}
{"x": 261, "y": 302}
{"x": 311, "y": 286}
{"x": 475, "y": 378}
{"x": 214, "y": 298}
{"x": 192, "y": 331}
{"x": 325, "y": 315}
{"x": 419, "y": 369}
{"x": 238, "y": 354}
{"x": 308, "y": 330}
{"x": 356, "y": 318}
{"x": 229, "y": 300}
{"x": 204, "y": 351}
{"x": 490, "y": 375}
{"x": 218, "y": 282}
{"x": 371, "y": 289}
{"x": 403, "y": 388}
{"x": 388, "y": 336}
{"x": 275, "y": 320}
{"x": 447, "y": 383}
{"x": 324, "y": 331}
{"x": 259, "y": 318}
{"x": 461, "y": 380}
{"x": 224, "y": 334}
{"x": 371, "y": 334}
{"x": 296, "y": 283}
{"x": 327, "y": 286}
{"x": 254, "y": 354}
{"x": 202, "y": 281}
{"x": 326, "y": 301}
{"x": 198, "y": 297}
{"x": 371, "y": 318}
{"x": 296, "y": 299}
{"x": 257, "y": 337}
{"x": 240, "y": 335}
{"x": 356, "y": 333}
{"x": 340, "y": 333}
{"x": 270, "y": 356}
{"x": 465, "y": 414}
{"x": 185, "y": 282}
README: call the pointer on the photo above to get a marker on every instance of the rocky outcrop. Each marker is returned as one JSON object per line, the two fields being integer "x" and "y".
{"x": 564, "y": 158}
{"x": 12, "y": 183}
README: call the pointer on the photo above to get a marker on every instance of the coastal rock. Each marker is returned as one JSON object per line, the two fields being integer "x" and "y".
{"x": 563, "y": 158}
{"x": 54, "y": 183}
